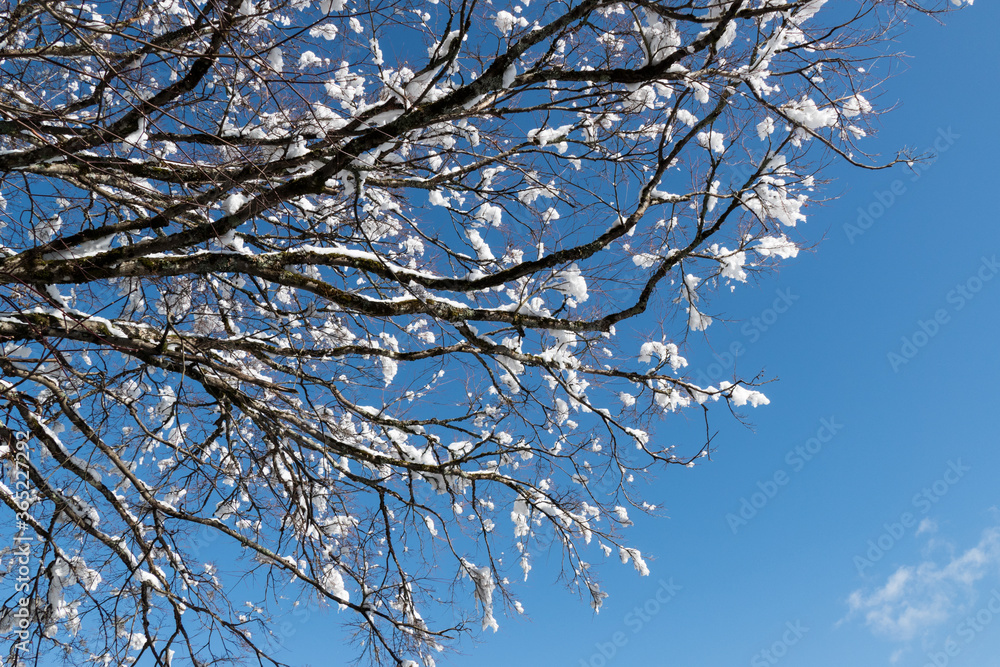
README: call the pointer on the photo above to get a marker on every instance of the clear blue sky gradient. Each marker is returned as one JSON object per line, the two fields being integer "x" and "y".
{"x": 794, "y": 564}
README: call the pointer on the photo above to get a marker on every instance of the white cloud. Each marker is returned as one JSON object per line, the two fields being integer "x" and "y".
{"x": 928, "y": 525}
{"x": 916, "y": 598}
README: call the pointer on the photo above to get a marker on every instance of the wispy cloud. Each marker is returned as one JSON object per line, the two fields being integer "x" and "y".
{"x": 916, "y": 598}
{"x": 928, "y": 525}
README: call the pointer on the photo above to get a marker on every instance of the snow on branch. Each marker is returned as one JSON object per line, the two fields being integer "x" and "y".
{"x": 325, "y": 301}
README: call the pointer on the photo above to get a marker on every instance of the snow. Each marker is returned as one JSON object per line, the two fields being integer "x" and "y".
{"x": 855, "y": 105}
{"x": 482, "y": 578}
{"x": 808, "y": 115}
{"x": 233, "y": 203}
{"x": 772, "y": 197}
{"x": 309, "y": 59}
{"x": 686, "y": 117}
{"x": 627, "y": 553}
{"x": 712, "y": 200}
{"x": 45, "y": 230}
{"x": 778, "y": 246}
{"x": 508, "y": 76}
{"x": 417, "y": 255}
{"x": 139, "y": 137}
{"x": 225, "y": 509}
{"x": 641, "y": 437}
{"x": 765, "y": 128}
{"x": 645, "y": 260}
{"x": 549, "y": 135}
{"x": 701, "y": 90}
{"x": 808, "y": 10}
{"x": 697, "y": 321}
{"x": 531, "y": 194}
{"x": 483, "y": 251}
{"x": 728, "y": 36}
{"x": 490, "y": 215}
{"x": 570, "y": 281}
{"x": 389, "y": 369}
{"x": 233, "y": 242}
{"x": 712, "y": 140}
{"x": 85, "y": 249}
{"x": 327, "y": 31}
{"x": 732, "y": 263}
{"x": 505, "y": 22}
{"x": 437, "y": 198}
{"x": 667, "y": 353}
{"x": 460, "y": 448}
{"x": 621, "y": 513}
{"x": 740, "y": 395}
{"x": 660, "y": 39}
{"x": 148, "y": 578}
{"x": 275, "y": 60}
{"x": 775, "y": 202}
{"x": 439, "y": 49}
{"x": 333, "y": 582}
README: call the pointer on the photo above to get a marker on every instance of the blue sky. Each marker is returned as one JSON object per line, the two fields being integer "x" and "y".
{"x": 909, "y": 440}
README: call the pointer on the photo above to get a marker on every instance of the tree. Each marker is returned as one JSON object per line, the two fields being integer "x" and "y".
{"x": 332, "y": 287}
